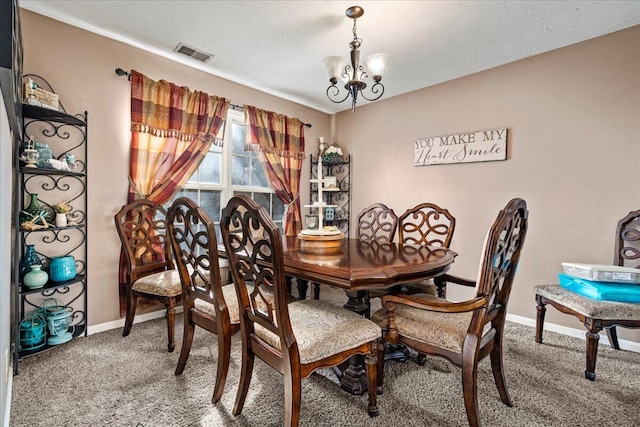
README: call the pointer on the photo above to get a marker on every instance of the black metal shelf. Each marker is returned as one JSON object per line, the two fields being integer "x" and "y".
{"x": 49, "y": 171}
{"x": 54, "y": 228}
{"x": 67, "y": 135}
{"x": 41, "y": 113}
{"x": 24, "y": 290}
{"x": 77, "y": 331}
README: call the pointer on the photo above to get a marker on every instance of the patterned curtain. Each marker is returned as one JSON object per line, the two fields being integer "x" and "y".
{"x": 172, "y": 130}
{"x": 280, "y": 141}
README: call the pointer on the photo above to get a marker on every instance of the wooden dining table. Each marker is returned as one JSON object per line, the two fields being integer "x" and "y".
{"x": 357, "y": 266}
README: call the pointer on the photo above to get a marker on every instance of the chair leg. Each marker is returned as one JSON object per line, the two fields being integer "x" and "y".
{"x": 171, "y": 321}
{"x": 421, "y": 359}
{"x": 187, "y": 340}
{"x": 132, "y": 302}
{"x": 592, "y": 351}
{"x": 497, "y": 367}
{"x": 470, "y": 388}
{"x": 380, "y": 367}
{"x": 541, "y": 309}
{"x": 316, "y": 291}
{"x": 612, "y": 335}
{"x": 372, "y": 389}
{"x": 292, "y": 396}
{"x": 245, "y": 378}
{"x": 224, "y": 354}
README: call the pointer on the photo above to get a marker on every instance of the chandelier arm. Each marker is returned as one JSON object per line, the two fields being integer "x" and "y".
{"x": 335, "y": 93}
{"x": 378, "y": 87}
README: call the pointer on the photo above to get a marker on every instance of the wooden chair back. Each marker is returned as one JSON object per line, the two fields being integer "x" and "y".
{"x": 377, "y": 223}
{"x": 499, "y": 264}
{"x": 426, "y": 224}
{"x": 254, "y": 249}
{"x": 193, "y": 236}
{"x": 142, "y": 228}
{"x": 627, "y": 248}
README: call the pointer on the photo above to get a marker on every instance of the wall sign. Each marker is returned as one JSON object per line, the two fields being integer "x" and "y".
{"x": 470, "y": 147}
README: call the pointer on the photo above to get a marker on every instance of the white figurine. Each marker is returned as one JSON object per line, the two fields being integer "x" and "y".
{"x": 59, "y": 165}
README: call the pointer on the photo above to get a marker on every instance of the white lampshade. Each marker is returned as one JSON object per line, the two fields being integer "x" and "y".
{"x": 376, "y": 63}
{"x": 334, "y": 66}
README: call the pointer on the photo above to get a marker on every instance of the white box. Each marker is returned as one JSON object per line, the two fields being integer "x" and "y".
{"x": 602, "y": 273}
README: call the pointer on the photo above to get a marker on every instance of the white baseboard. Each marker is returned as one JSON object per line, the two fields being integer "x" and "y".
{"x": 115, "y": 324}
{"x": 7, "y": 404}
{"x": 572, "y": 332}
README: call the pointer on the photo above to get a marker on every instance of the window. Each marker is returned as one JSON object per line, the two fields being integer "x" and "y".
{"x": 228, "y": 171}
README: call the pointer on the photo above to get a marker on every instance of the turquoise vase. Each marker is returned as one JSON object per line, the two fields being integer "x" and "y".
{"x": 36, "y": 278}
{"x": 62, "y": 268}
{"x": 30, "y": 258}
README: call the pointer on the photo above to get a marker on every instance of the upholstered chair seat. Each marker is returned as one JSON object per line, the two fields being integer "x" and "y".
{"x": 596, "y": 309}
{"x": 429, "y": 327}
{"x": 229, "y": 293}
{"x": 322, "y": 329}
{"x": 164, "y": 283}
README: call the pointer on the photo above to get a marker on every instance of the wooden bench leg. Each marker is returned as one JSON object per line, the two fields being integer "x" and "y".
{"x": 541, "y": 309}
{"x": 594, "y": 326}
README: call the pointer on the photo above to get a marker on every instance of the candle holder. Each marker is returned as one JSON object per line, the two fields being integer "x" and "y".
{"x": 30, "y": 155}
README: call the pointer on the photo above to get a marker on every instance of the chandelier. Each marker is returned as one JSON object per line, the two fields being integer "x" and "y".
{"x": 353, "y": 74}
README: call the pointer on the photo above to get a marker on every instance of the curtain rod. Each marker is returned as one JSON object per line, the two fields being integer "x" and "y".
{"x": 121, "y": 72}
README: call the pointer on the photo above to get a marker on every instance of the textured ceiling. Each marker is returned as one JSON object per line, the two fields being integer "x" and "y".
{"x": 277, "y": 46}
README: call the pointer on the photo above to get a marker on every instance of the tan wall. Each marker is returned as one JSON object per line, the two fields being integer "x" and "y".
{"x": 573, "y": 117}
{"x": 80, "y": 66}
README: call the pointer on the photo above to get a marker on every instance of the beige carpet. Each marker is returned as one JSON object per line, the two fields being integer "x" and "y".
{"x": 108, "y": 380}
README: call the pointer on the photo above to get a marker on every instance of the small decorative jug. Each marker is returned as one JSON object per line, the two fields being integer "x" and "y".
{"x": 30, "y": 258}
{"x": 61, "y": 219}
{"x": 36, "y": 278}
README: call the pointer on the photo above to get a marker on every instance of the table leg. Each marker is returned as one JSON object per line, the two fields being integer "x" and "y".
{"x": 356, "y": 302}
{"x": 352, "y": 373}
{"x": 303, "y": 285}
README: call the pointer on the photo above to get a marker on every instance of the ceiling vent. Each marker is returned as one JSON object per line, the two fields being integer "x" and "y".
{"x": 193, "y": 53}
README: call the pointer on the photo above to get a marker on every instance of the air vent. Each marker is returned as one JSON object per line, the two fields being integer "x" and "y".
{"x": 193, "y": 53}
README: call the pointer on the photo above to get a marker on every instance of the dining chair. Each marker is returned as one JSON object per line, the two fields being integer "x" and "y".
{"x": 378, "y": 223}
{"x": 207, "y": 302}
{"x": 295, "y": 339}
{"x": 464, "y": 332}
{"x": 142, "y": 227}
{"x": 596, "y": 315}
{"x": 426, "y": 224}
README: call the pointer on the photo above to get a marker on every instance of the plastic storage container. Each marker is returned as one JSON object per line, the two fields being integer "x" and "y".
{"x": 602, "y": 273}
{"x": 604, "y": 291}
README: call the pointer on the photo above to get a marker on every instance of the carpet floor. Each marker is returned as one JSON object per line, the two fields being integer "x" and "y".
{"x": 108, "y": 380}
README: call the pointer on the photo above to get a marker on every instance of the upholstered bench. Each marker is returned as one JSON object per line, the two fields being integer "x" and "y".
{"x": 594, "y": 314}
